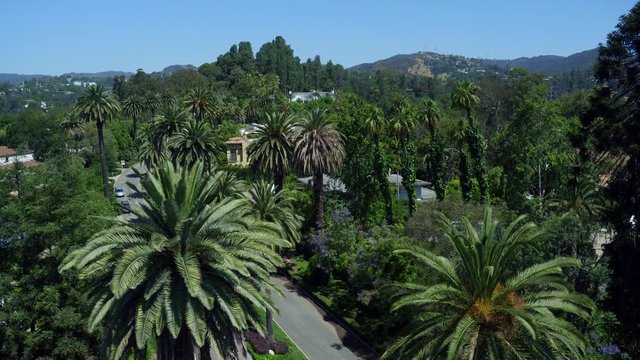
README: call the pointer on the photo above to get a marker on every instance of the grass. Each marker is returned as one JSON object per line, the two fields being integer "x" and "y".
{"x": 293, "y": 354}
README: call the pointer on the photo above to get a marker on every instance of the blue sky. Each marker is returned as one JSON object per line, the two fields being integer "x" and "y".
{"x": 54, "y": 37}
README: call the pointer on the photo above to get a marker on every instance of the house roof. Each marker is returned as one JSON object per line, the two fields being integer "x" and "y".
{"x": 397, "y": 179}
{"x": 238, "y": 140}
{"x": 7, "y": 151}
{"x": 27, "y": 164}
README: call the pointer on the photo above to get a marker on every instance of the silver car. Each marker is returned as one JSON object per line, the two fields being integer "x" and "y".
{"x": 120, "y": 192}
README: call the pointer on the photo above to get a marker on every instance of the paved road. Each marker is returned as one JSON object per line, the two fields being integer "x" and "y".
{"x": 315, "y": 332}
{"x": 312, "y": 329}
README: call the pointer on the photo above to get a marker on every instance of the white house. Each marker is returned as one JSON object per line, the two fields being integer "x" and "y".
{"x": 309, "y": 95}
{"x": 10, "y": 156}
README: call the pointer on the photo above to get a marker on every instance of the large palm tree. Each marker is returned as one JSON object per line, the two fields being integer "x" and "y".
{"x": 189, "y": 274}
{"x": 98, "y": 106}
{"x": 319, "y": 149}
{"x": 134, "y": 107}
{"x": 199, "y": 102}
{"x": 195, "y": 142}
{"x": 273, "y": 146}
{"x": 482, "y": 309}
{"x": 267, "y": 204}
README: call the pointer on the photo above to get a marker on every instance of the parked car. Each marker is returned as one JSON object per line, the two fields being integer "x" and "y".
{"x": 125, "y": 207}
{"x": 120, "y": 192}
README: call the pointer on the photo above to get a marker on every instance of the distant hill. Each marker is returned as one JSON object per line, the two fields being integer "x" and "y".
{"x": 551, "y": 64}
{"x": 97, "y": 75}
{"x": 17, "y": 78}
{"x": 175, "y": 68}
{"x": 431, "y": 64}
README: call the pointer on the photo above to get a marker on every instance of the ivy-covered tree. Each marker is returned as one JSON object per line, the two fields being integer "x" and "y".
{"x": 614, "y": 121}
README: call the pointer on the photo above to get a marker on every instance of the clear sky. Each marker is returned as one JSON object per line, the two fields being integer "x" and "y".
{"x": 58, "y": 36}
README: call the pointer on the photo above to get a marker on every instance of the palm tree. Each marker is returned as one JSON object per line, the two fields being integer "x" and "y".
{"x": 267, "y": 204}
{"x": 403, "y": 125}
{"x": 96, "y": 105}
{"x": 134, "y": 107}
{"x": 199, "y": 103}
{"x": 195, "y": 142}
{"x": 377, "y": 126}
{"x": 168, "y": 123}
{"x": 152, "y": 103}
{"x": 152, "y": 155}
{"x": 189, "y": 275}
{"x": 74, "y": 127}
{"x": 429, "y": 114}
{"x": 581, "y": 201}
{"x": 465, "y": 97}
{"x": 481, "y": 309}
{"x": 273, "y": 146}
{"x": 319, "y": 149}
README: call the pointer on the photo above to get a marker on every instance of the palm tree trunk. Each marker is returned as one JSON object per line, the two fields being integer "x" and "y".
{"x": 270, "y": 334}
{"x": 103, "y": 161}
{"x": 318, "y": 199}
{"x": 278, "y": 177}
{"x": 135, "y": 126}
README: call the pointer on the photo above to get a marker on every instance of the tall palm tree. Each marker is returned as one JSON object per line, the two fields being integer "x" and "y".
{"x": 403, "y": 125}
{"x": 98, "y": 106}
{"x": 481, "y": 309}
{"x": 269, "y": 205}
{"x": 134, "y": 107}
{"x": 199, "y": 103}
{"x": 377, "y": 125}
{"x": 74, "y": 127}
{"x": 429, "y": 115}
{"x": 465, "y": 97}
{"x": 273, "y": 146}
{"x": 319, "y": 149}
{"x": 152, "y": 103}
{"x": 169, "y": 122}
{"x": 189, "y": 275}
{"x": 193, "y": 143}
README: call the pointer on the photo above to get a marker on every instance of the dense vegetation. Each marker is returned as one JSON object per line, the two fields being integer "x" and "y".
{"x": 192, "y": 272}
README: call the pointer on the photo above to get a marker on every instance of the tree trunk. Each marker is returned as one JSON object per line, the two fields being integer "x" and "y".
{"x": 135, "y": 126}
{"x": 103, "y": 160}
{"x": 318, "y": 199}
{"x": 270, "y": 335}
{"x": 278, "y": 177}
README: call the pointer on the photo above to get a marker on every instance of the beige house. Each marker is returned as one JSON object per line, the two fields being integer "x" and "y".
{"x": 237, "y": 151}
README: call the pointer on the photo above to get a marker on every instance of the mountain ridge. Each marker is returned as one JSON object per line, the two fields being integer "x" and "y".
{"x": 432, "y": 64}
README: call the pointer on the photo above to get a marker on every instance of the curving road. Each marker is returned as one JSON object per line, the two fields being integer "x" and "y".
{"x": 315, "y": 332}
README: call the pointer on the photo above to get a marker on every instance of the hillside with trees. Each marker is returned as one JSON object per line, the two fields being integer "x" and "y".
{"x": 486, "y": 216}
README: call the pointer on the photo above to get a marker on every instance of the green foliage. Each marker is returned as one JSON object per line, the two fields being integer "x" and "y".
{"x": 480, "y": 308}
{"x": 56, "y": 209}
{"x": 199, "y": 260}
